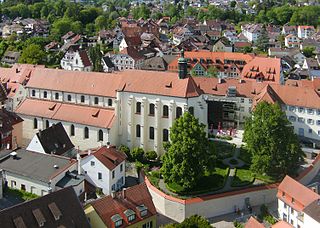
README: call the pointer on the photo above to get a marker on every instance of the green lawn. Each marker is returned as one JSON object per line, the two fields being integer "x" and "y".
{"x": 154, "y": 178}
{"x": 210, "y": 182}
{"x": 265, "y": 178}
{"x": 21, "y": 194}
{"x": 243, "y": 177}
{"x": 223, "y": 149}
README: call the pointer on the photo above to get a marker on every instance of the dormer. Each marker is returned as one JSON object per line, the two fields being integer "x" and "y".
{"x": 143, "y": 210}
{"x": 130, "y": 214}
{"x": 117, "y": 220}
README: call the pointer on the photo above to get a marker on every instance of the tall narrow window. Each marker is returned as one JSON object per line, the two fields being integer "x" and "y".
{"x": 33, "y": 93}
{"x": 165, "y": 112}
{"x": 69, "y": 97}
{"x": 72, "y": 130}
{"x": 47, "y": 123}
{"x": 100, "y": 135}
{"x": 56, "y": 96}
{"x": 191, "y": 110}
{"x": 86, "y": 132}
{"x": 82, "y": 99}
{"x": 165, "y": 135}
{"x": 35, "y": 123}
{"x": 138, "y": 107}
{"x": 151, "y": 133}
{"x": 178, "y": 112}
{"x": 151, "y": 109}
{"x": 138, "y": 131}
{"x": 45, "y": 94}
{"x": 96, "y": 100}
{"x": 109, "y": 102}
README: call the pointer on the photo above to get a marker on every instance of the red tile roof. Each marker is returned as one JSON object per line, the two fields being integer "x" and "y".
{"x": 253, "y": 223}
{"x": 18, "y": 73}
{"x": 135, "y": 196}
{"x": 282, "y": 224}
{"x": 261, "y": 67}
{"x": 295, "y": 195}
{"x": 85, "y": 58}
{"x": 85, "y": 115}
{"x": 109, "y": 157}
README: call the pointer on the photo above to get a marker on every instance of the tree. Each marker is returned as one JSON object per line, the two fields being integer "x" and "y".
{"x": 61, "y": 27}
{"x": 212, "y": 72}
{"x": 263, "y": 40}
{"x": 95, "y": 57}
{"x": 308, "y": 51}
{"x": 194, "y": 221}
{"x": 137, "y": 154}
{"x": 32, "y": 54}
{"x": 274, "y": 147}
{"x": 101, "y": 22}
{"x": 151, "y": 155}
{"x": 187, "y": 155}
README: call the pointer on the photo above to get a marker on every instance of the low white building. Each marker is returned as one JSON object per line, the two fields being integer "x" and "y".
{"x": 305, "y": 32}
{"x": 76, "y": 60}
{"x": 251, "y": 31}
{"x": 292, "y": 41}
{"x": 39, "y": 173}
{"x": 297, "y": 204}
{"x": 105, "y": 169}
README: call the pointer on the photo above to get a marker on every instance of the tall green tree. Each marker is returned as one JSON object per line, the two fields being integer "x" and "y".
{"x": 32, "y": 54}
{"x": 270, "y": 138}
{"x": 95, "y": 57}
{"x": 263, "y": 40}
{"x": 187, "y": 155}
{"x": 194, "y": 221}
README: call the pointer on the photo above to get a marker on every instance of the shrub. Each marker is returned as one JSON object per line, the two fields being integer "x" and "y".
{"x": 139, "y": 166}
{"x": 137, "y": 154}
{"x": 125, "y": 150}
{"x": 233, "y": 161}
{"x": 237, "y": 224}
{"x": 151, "y": 155}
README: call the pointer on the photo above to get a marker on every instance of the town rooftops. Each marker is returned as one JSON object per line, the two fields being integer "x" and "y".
{"x": 7, "y": 120}
{"x": 295, "y": 194}
{"x": 97, "y": 117}
{"x": 253, "y": 223}
{"x": 52, "y": 210}
{"x": 55, "y": 140}
{"x": 109, "y": 156}
{"x": 136, "y": 199}
{"x": 34, "y": 165}
{"x": 313, "y": 210}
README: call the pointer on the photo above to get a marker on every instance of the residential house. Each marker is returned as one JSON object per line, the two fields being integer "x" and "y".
{"x": 130, "y": 42}
{"x": 292, "y": 41}
{"x": 53, "y": 140}
{"x": 289, "y": 30}
{"x": 310, "y": 43}
{"x": 107, "y": 64}
{"x": 128, "y": 58}
{"x": 10, "y": 29}
{"x": 312, "y": 66}
{"x": 76, "y": 59}
{"x": 105, "y": 169}
{"x": 52, "y": 46}
{"x": 241, "y": 46}
{"x": 58, "y": 209}
{"x": 39, "y": 173}
{"x": 297, "y": 204}
{"x": 132, "y": 207}
{"x": 10, "y": 129}
{"x": 10, "y": 57}
{"x": 305, "y": 32}
{"x": 251, "y": 31}
{"x": 180, "y": 34}
{"x": 213, "y": 35}
{"x": 231, "y": 36}
{"x": 222, "y": 45}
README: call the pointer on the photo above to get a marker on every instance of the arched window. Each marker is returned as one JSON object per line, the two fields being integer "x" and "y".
{"x": 45, "y": 94}
{"x": 138, "y": 107}
{"x": 96, "y": 100}
{"x": 109, "y": 102}
{"x": 72, "y": 130}
{"x": 35, "y": 123}
{"x": 86, "y": 132}
{"x": 178, "y": 112}
{"x": 33, "y": 93}
{"x": 82, "y": 99}
{"x": 138, "y": 131}
{"x": 165, "y": 135}
{"x": 69, "y": 97}
{"x": 100, "y": 135}
{"x": 57, "y": 96}
{"x": 47, "y": 123}
{"x": 191, "y": 110}
{"x": 151, "y": 109}
{"x": 165, "y": 112}
{"x": 151, "y": 133}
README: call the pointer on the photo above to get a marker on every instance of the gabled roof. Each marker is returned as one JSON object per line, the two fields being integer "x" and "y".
{"x": 313, "y": 210}
{"x": 7, "y": 120}
{"x": 110, "y": 157}
{"x": 53, "y": 209}
{"x": 253, "y": 223}
{"x": 138, "y": 195}
{"x": 91, "y": 116}
{"x": 269, "y": 95}
{"x": 85, "y": 58}
{"x": 55, "y": 139}
{"x": 302, "y": 195}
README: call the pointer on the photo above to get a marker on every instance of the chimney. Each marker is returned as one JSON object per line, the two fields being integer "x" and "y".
{"x": 108, "y": 144}
{"x": 123, "y": 193}
{"x": 113, "y": 194}
{"x": 183, "y": 66}
{"x": 79, "y": 163}
{"x": 219, "y": 80}
{"x": 89, "y": 152}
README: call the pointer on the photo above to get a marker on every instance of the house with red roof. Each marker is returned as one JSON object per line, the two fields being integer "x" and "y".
{"x": 254, "y": 223}
{"x": 132, "y": 207}
{"x": 297, "y": 204}
{"x": 105, "y": 168}
{"x": 76, "y": 59}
